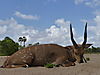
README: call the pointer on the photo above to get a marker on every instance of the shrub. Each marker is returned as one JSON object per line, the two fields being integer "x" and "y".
{"x": 93, "y": 50}
{"x": 49, "y": 65}
{"x": 8, "y": 46}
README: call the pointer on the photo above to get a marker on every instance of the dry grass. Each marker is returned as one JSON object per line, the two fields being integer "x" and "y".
{"x": 90, "y": 68}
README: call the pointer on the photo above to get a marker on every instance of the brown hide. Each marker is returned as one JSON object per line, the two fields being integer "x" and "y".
{"x": 38, "y": 56}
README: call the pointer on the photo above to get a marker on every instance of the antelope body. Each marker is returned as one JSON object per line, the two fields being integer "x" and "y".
{"x": 39, "y": 55}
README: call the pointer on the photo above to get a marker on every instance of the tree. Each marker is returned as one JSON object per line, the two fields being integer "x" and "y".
{"x": 20, "y": 40}
{"x": 24, "y": 40}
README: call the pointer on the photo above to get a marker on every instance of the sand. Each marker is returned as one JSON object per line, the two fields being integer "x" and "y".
{"x": 90, "y": 68}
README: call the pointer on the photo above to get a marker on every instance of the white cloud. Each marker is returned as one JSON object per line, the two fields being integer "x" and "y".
{"x": 3, "y": 29}
{"x": 94, "y": 23}
{"x": 58, "y": 33}
{"x": 90, "y": 3}
{"x": 12, "y": 28}
{"x": 94, "y": 31}
{"x": 24, "y": 16}
{"x": 97, "y": 27}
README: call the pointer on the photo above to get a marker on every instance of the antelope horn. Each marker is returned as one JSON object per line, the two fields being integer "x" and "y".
{"x": 72, "y": 39}
{"x": 85, "y": 35}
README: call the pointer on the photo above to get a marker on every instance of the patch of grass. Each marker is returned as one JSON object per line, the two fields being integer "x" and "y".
{"x": 92, "y": 53}
{"x": 49, "y": 65}
{"x": 1, "y": 54}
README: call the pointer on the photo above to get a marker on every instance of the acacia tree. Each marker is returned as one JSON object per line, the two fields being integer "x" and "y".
{"x": 22, "y": 40}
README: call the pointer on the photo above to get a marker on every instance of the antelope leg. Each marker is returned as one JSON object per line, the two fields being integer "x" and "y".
{"x": 59, "y": 61}
{"x": 16, "y": 66}
{"x": 68, "y": 63}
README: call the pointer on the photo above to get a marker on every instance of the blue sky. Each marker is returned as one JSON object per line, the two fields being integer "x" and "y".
{"x": 47, "y": 21}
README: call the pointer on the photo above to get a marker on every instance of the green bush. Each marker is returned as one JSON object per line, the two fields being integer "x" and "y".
{"x": 93, "y": 50}
{"x": 8, "y": 46}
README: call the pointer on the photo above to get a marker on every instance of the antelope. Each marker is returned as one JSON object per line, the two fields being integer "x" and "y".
{"x": 77, "y": 50}
{"x": 39, "y": 55}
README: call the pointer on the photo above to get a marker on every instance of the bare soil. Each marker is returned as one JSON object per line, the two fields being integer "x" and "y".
{"x": 90, "y": 68}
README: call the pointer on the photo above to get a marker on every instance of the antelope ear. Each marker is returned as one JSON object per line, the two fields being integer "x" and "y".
{"x": 87, "y": 45}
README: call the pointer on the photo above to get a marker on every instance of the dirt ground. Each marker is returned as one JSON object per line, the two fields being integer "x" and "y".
{"x": 90, "y": 68}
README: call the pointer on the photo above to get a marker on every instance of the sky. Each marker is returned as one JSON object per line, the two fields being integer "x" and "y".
{"x": 47, "y": 21}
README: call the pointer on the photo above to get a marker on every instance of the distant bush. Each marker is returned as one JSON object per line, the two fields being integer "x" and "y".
{"x": 8, "y": 46}
{"x": 93, "y": 50}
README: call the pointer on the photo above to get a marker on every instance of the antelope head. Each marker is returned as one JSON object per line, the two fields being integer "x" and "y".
{"x": 79, "y": 49}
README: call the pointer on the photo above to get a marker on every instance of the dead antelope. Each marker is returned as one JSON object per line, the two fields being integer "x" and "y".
{"x": 39, "y": 55}
{"x": 78, "y": 50}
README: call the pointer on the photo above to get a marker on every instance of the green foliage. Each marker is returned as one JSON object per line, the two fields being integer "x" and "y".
{"x": 49, "y": 65}
{"x": 93, "y": 50}
{"x": 8, "y": 46}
